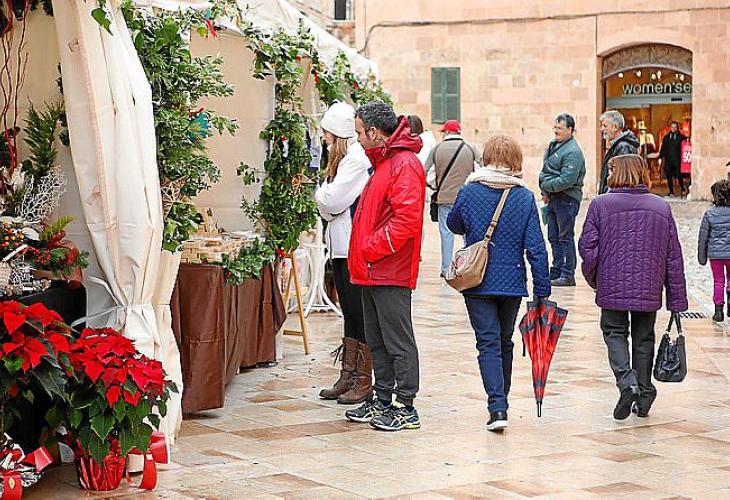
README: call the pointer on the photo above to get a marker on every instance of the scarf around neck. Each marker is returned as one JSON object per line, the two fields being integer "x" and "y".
{"x": 496, "y": 177}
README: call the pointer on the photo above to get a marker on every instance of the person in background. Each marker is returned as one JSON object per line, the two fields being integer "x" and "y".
{"x": 347, "y": 174}
{"x": 618, "y": 142}
{"x": 448, "y": 166}
{"x": 384, "y": 257}
{"x": 670, "y": 157}
{"x": 561, "y": 183}
{"x": 631, "y": 254}
{"x": 429, "y": 141}
{"x": 714, "y": 243}
{"x": 493, "y": 305}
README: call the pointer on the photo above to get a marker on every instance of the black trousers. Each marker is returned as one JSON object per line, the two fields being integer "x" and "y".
{"x": 389, "y": 333}
{"x": 634, "y": 369}
{"x": 350, "y": 300}
{"x": 672, "y": 173}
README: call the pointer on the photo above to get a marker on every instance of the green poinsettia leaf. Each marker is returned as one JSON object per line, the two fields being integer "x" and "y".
{"x": 74, "y": 418}
{"x": 84, "y": 436}
{"x": 154, "y": 421}
{"x": 13, "y": 363}
{"x": 98, "y": 448}
{"x": 126, "y": 440}
{"x": 54, "y": 417}
{"x": 102, "y": 425}
{"x": 51, "y": 379}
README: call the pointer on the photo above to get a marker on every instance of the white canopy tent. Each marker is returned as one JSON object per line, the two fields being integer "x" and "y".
{"x": 114, "y": 190}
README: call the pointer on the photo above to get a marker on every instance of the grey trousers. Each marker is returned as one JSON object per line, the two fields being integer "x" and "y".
{"x": 633, "y": 370}
{"x": 389, "y": 334}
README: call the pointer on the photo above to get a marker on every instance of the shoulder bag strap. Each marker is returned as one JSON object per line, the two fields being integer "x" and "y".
{"x": 497, "y": 213}
{"x": 448, "y": 167}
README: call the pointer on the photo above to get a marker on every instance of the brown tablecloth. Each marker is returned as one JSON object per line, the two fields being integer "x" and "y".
{"x": 221, "y": 328}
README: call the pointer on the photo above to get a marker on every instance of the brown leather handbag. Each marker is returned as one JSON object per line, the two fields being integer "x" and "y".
{"x": 469, "y": 264}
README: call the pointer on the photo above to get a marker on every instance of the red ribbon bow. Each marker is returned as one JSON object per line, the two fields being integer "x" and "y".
{"x": 157, "y": 454}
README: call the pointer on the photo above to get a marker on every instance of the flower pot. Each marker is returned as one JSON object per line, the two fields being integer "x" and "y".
{"x": 99, "y": 477}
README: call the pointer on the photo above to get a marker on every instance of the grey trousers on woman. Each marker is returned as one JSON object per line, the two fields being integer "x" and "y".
{"x": 634, "y": 369}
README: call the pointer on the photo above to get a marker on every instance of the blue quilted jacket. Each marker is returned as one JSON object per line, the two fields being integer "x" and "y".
{"x": 518, "y": 231}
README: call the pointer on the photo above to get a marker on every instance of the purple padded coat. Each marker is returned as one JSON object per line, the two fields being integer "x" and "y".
{"x": 631, "y": 252}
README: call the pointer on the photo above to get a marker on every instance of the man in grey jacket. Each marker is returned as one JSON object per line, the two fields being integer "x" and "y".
{"x": 561, "y": 183}
{"x": 445, "y": 183}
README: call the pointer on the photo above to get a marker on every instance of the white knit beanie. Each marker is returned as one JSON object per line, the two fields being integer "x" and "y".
{"x": 339, "y": 120}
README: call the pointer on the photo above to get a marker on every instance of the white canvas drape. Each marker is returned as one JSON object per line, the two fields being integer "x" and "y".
{"x": 111, "y": 126}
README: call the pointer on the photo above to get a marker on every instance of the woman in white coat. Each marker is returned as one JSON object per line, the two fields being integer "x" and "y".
{"x": 347, "y": 173}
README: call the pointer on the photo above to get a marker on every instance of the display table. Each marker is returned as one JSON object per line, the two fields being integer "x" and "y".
{"x": 221, "y": 328}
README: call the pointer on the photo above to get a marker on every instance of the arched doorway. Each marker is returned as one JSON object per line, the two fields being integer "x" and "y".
{"x": 651, "y": 85}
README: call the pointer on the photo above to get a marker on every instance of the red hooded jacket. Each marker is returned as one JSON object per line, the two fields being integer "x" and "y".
{"x": 385, "y": 245}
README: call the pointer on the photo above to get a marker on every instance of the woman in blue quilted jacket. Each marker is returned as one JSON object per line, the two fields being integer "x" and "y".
{"x": 631, "y": 254}
{"x": 493, "y": 305}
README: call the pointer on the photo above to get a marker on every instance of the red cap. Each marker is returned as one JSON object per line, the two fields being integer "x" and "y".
{"x": 452, "y": 126}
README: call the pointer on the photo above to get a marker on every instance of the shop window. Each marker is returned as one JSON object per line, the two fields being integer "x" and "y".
{"x": 445, "y": 94}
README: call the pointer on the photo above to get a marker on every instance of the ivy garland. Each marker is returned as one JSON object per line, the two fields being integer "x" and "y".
{"x": 178, "y": 82}
{"x": 286, "y": 207}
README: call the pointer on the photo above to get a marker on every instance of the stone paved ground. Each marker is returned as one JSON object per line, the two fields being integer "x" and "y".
{"x": 275, "y": 439}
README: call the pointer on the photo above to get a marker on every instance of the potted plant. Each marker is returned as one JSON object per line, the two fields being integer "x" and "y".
{"x": 34, "y": 347}
{"x": 116, "y": 397}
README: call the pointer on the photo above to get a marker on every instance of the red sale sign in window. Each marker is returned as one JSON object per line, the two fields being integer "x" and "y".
{"x": 686, "y": 166}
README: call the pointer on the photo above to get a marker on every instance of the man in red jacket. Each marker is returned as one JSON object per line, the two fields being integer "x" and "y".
{"x": 384, "y": 256}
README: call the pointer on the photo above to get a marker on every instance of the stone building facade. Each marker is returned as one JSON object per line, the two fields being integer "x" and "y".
{"x": 521, "y": 63}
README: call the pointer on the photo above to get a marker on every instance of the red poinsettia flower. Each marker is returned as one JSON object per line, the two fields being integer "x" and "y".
{"x": 59, "y": 342}
{"x": 13, "y": 321}
{"x": 41, "y": 313}
{"x": 30, "y": 349}
{"x": 132, "y": 399}
{"x": 112, "y": 394}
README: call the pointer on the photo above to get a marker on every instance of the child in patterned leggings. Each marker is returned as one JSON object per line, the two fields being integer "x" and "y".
{"x": 714, "y": 243}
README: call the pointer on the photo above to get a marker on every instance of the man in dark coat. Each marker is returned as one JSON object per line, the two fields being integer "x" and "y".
{"x": 670, "y": 156}
{"x": 618, "y": 141}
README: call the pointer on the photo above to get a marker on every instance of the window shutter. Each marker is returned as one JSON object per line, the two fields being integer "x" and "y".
{"x": 453, "y": 94}
{"x": 438, "y": 98}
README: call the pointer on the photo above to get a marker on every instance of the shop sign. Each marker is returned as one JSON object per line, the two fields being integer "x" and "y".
{"x": 639, "y": 89}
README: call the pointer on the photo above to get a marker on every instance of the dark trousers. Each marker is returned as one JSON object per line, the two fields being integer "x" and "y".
{"x": 634, "y": 369}
{"x": 672, "y": 172}
{"x": 493, "y": 319}
{"x": 350, "y": 300}
{"x": 389, "y": 334}
{"x": 561, "y": 213}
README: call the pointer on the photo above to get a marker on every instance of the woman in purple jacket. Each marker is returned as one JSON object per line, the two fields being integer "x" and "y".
{"x": 630, "y": 253}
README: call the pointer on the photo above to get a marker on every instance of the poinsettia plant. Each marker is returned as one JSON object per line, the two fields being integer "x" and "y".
{"x": 33, "y": 357}
{"x": 116, "y": 394}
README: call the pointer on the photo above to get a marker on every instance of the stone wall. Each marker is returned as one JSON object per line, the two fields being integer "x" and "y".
{"x": 523, "y": 62}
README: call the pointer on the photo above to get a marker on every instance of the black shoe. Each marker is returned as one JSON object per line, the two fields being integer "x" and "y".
{"x": 367, "y": 411}
{"x": 497, "y": 421}
{"x": 397, "y": 417}
{"x": 625, "y": 401}
{"x": 563, "y": 282}
{"x": 554, "y": 275}
{"x": 639, "y": 411}
{"x": 719, "y": 316}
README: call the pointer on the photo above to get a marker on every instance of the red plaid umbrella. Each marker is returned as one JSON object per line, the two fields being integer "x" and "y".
{"x": 541, "y": 327}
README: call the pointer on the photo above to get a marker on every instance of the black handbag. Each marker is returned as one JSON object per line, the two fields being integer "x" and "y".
{"x": 671, "y": 358}
{"x": 434, "y": 206}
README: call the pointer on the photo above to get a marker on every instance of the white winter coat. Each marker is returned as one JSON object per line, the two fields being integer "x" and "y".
{"x": 335, "y": 198}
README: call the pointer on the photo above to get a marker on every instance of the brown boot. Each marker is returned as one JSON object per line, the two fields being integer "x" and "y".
{"x": 361, "y": 385}
{"x": 347, "y": 352}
